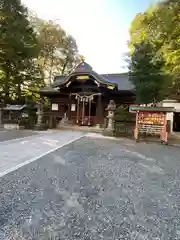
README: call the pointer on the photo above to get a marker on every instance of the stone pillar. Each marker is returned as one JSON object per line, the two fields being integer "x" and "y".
{"x": 39, "y": 114}
{"x": 110, "y": 118}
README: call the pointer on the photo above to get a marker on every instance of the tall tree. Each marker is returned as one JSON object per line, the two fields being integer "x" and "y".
{"x": 159, "y": 25}
{"x": 70, "y": 55}
{"x": 145, "y": 73}
{"x": 59, "y": 50}
{"x": 165, "y": 26}
{"x": 19, "y": 49}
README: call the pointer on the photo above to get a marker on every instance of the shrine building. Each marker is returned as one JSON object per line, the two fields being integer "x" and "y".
{"x": 83, "y": 96}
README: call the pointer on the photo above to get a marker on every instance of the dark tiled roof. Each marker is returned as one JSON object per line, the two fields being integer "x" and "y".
{"x": 121, "y": 79}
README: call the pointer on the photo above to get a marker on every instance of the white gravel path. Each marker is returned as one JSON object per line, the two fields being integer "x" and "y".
{"x": 18, "y": 152}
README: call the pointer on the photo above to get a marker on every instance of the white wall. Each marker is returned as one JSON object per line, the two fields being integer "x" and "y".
{"x": 171, "y": 103}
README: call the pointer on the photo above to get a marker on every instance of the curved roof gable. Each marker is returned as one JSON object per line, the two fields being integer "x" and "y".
{"x": 82, "y": 68}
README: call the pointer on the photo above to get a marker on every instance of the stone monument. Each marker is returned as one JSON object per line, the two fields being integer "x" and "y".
{"x": 39, "y": 113}
{"x": 110, "y": 118}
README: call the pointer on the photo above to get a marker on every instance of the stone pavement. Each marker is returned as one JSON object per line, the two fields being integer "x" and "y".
{"x": 18, "y": 152}
{"x": 93, "y": 189}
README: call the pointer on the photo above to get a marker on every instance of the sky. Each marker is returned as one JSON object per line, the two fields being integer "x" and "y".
{"x": 100, "y": 27}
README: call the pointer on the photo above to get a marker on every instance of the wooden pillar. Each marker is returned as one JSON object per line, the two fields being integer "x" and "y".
{"x": 89, "y": 117}
{"x": 83, "y": 109}
{"x": 136, "y": 131}
{"x": 99, "y": 113}
{"x": 77, "y": 117}
{"x": 51, "y": 121}
{"x": 69, "y": 108}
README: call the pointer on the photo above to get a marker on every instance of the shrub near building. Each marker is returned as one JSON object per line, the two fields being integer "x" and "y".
{"x": 124, "y": 121}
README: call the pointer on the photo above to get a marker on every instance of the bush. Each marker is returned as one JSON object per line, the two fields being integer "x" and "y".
{"x": 25, "y": 123}
{"x": 122, "y": 114}
{"x": 124, "y": 122}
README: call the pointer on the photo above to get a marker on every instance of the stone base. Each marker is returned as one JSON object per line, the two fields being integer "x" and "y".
{"x": 64, "y": 124}
{"x": 108, "y": 132}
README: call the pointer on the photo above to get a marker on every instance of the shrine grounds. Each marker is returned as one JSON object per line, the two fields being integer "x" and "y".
{"x": 72, "y": 185}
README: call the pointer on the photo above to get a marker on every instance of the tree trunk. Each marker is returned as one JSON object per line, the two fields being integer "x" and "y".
{"x": 64, "y": 66}
{"x": 7, "y": 89}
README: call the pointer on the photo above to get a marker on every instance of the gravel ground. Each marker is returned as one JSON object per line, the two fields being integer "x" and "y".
{"x": 94, "y": 189}
{"x": 14, "y": 134}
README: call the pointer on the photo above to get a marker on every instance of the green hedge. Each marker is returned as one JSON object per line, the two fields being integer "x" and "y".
{"x": 124, "y": 122}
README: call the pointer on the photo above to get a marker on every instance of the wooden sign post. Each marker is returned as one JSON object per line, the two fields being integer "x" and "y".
{"x": 151, "y": 121}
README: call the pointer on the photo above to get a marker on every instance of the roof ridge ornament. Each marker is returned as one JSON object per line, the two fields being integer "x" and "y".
{"x": 82, "y": 58}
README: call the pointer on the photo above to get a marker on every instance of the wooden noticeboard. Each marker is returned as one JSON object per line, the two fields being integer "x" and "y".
{"x": 151, "y": 120}
{"x": 151, "y": 123}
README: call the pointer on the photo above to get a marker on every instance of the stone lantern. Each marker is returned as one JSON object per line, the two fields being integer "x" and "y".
{"x": 39, "y": 114}
{"x": 110, "y": 118}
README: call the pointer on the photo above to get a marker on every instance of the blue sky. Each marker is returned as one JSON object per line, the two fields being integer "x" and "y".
{"x": 100, "y": 27}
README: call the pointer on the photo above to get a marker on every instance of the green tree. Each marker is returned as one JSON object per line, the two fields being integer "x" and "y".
{"x": 159, "y": 25}
{"x": 69, "y": 55}
{"x": 164, "y": 28}
{"x": 150, "y": 83}
{"x": 19, "y": 50}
